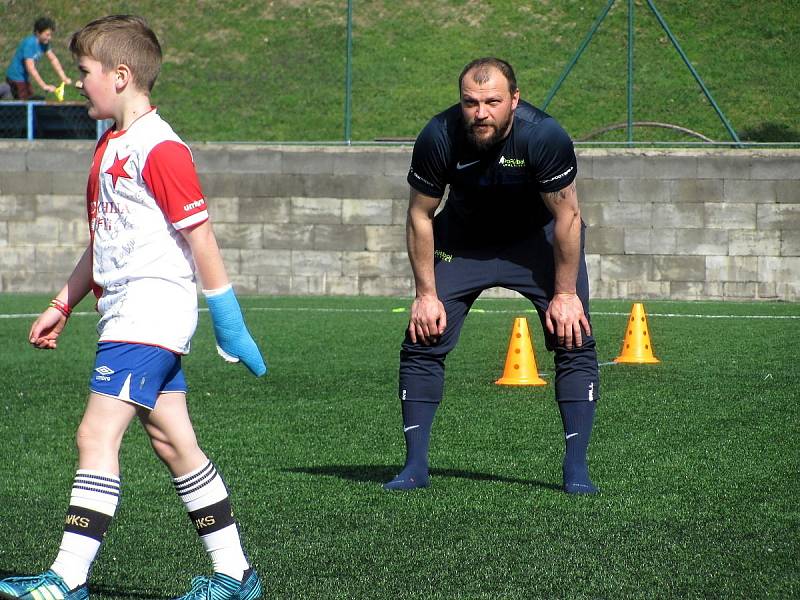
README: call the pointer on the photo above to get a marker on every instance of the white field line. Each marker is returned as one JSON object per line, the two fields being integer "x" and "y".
{"x": 321, "y": 309}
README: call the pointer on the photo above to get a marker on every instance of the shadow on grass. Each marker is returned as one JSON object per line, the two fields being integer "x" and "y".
{"x": 102, "y": 590}
{"x": 382, "y": 474}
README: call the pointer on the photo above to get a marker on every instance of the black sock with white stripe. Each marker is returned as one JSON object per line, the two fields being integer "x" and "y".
{"x": 205, "y": 496}
{"x": 93, "y": 502}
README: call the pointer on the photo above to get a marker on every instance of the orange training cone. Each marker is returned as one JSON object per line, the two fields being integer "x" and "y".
{"x": 637, "y": 346}
{"x": 520, "y": 366}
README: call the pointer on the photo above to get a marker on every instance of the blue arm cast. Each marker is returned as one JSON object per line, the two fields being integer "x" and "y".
{"x": 231, "y": 333}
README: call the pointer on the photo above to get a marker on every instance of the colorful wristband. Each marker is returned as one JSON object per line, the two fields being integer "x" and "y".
{"x": 61, "y": 307}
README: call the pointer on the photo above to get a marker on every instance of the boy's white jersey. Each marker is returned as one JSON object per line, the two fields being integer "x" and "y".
{"x": 143, "y": 189}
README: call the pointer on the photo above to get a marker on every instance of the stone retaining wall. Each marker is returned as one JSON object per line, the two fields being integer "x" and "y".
{"x": 704, "y": 224}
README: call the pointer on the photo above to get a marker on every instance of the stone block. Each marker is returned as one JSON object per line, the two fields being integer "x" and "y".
{"x": 739, "y": 290}
{"x": 308, "y": 285}
{"x": 30, "y": 282}
{"x": 313, "y": 262}
{"x": 604, "y": 289}
{"x": 12, "y": 159}
{"x": 316, "y": 210}
{"x": 696, "y": 190}
{"x": 724, "y": 166}
{"x": 790, "y": 244}
{"x": 778, "y": 216}
{"x": 620, "y": 267}
{"x": 644, "y": 190}
{"x": 751, "y": 242}
{"x": 649, "y": 241}
{"x": 289, "y": 236}
{"x": 499, "y": 292}
{"x": 778, "y": 268}
{"x": 618, "y": 214}
{"x": 732, "y": 268}
{"x": 223, "y": 210}
{"x": 678, "y": 268}
{"x": 358, "y": 163}
{"x": 713, "y": 290}
{"x": 671, "y": 166}
{"x": 767, "y": 291}
{"x": 385, "y": 238}
{"x": 273, "y": 285}
{"x": 17, "y": 208}
{"x": 725, "y": 215}
{"x": 341, "y": 286}
{"x": 368, "y": 212}
{"x": 265, "y": 210}
{"x": 72, "y": 183}
{"x": 701, "y": 241}
{"x": 788, "y": 191}
{"x": 3, "y": 234}
{"x": 686, "y": 290}
{"x": 597, "y": 190}
{"x": 603, "y": 240}
{"x": 57, "y": 259}
{"x": 386, "y": 286}
{"x": 748, "y": 191}
{"x": 678, "y": 215}
{"x": 619, "y": 166}
{"x": 369, "y": 263}
{"x": 232, "y": 257}
{"x": 399, "y": 212}
{"x": 209, "y": 158}
{"x": 381, "y": 187}
{"x": 61, "y": 207}
{"x": 57, "y": 160}
{"x": 230, "y": 235}
{"x": 245, "y": 285}
{"x": 773, "y": 167}
{"x": 73, "y": 232}
{"x": 312, "y": 162}
{"x": 24, "y": 183}
{"x": 397, "y": 162}
{"x": 266, "y": 262}
{"x": 585, "y": 166}
{"x": 42, "y": 231}
{"x": 339, "y": 237}
{"x": 643, "y": 289}
{"x": 19, "y": 258}
{"x": 788, "y": 291}
{"x": 256, "y": 160}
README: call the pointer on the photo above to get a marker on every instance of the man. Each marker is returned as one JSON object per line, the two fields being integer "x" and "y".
{"x": 512, "y": 220}
{"x": 23, "y": 65}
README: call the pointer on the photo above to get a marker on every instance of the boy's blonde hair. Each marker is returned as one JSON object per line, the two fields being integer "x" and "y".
{"x": 121, "y": 40}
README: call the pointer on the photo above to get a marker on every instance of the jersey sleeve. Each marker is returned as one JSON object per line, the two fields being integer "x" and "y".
{"x": 31, "y": 48}
{"x": 428, "y": 169}
{"x": 170, "y": 175}
{"x": 552, "y": 157}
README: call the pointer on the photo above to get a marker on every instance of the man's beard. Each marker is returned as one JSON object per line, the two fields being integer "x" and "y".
{"x": 485, "y": 142}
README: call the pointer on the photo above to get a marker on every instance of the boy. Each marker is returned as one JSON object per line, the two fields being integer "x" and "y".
{"x": 149, "y": 231}
{"x": 22, "y": 68}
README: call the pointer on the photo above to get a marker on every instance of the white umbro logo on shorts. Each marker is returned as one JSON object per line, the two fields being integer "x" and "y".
{"x": 104, "y": 370}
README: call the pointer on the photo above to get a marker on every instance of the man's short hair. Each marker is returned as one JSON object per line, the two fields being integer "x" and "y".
{"x": 43, "y": 24}
{"x": 121, "y": 40}
{"x": 482, "y": 68}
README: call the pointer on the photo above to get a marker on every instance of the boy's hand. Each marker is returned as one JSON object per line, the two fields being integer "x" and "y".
{"x": 234, "y": 342}
{"x": 46, "y": 329}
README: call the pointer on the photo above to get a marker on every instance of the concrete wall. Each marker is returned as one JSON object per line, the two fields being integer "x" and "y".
{"x": 704, "y": 224}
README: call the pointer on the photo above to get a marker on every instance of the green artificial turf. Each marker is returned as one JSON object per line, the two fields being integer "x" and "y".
{"x": 696, "y": 458}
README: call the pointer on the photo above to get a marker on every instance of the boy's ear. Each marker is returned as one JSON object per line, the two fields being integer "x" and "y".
{"x": 122, "y": 77}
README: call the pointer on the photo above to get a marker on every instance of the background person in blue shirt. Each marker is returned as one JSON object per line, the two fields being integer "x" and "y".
{"x": 22, "y": 69}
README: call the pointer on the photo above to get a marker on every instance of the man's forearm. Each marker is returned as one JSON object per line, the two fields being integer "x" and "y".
{"x": 419, "y": 238}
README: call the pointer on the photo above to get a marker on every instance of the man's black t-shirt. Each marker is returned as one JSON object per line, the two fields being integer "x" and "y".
{"x": 494, "y": 194}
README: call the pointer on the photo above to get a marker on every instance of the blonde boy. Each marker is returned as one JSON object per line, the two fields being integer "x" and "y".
{"x": 150, "y": 233}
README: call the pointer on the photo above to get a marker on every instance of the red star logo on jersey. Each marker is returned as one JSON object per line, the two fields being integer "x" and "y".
{"x": 117, "y": 170}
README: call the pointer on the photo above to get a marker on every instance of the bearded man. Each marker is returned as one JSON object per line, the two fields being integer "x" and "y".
{"x": 512, "y": 220}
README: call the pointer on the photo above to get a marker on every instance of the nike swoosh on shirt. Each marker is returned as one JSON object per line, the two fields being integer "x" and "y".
{"x": 409, "y": 428}
{"x": 459, "y": 166}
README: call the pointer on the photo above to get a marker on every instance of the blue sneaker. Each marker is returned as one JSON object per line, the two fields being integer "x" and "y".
{"x": 47, "y": 585}
{"x": 223, "y": 587}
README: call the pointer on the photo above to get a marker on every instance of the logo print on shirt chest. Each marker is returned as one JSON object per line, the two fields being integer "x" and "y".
{"x": 117, "y": 169}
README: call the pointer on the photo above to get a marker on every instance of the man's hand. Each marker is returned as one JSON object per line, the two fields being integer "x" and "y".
{"x": 428, "y": 320}
{"x": 46, "y": 329}
{"x": 565, "y": 319}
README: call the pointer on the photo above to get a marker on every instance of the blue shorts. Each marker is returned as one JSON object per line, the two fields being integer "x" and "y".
{"x": 136, "y": 373}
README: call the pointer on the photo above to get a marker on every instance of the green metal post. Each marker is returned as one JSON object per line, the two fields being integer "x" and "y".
{"x": 577, "y": 55}
{"x": 691, "y": 68}
{"x": 348, "y": 95}
{"x": 630, "y": 72}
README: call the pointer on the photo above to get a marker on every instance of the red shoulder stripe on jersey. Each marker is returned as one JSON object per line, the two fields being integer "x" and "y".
{"x": 170, "y": 174}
